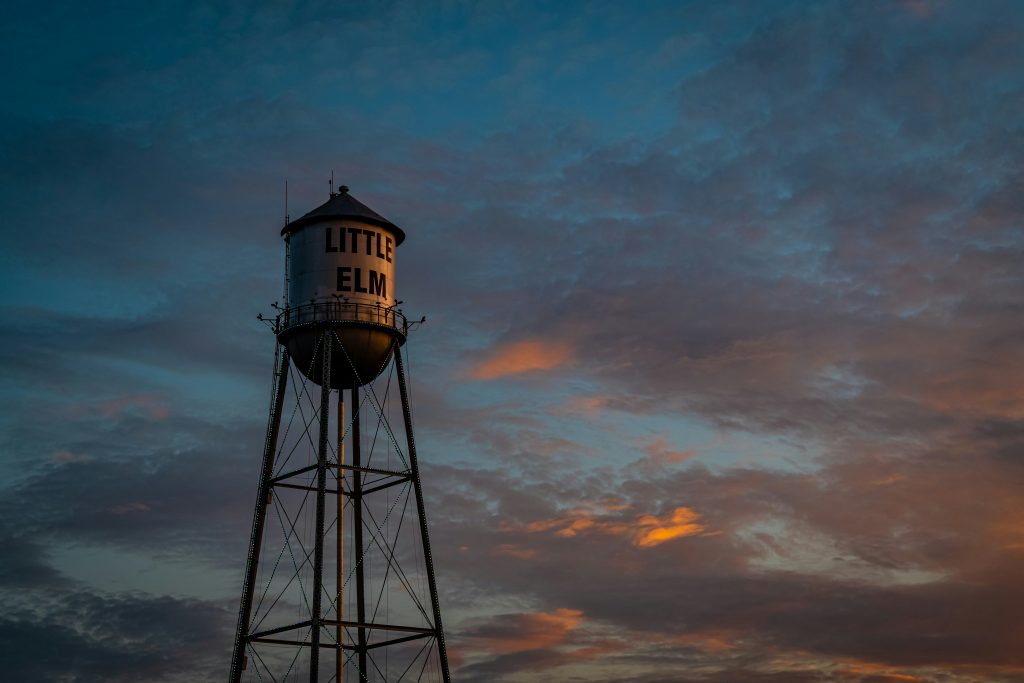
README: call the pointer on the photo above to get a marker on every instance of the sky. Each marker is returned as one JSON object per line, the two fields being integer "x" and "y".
{"x": 721, "y": 379}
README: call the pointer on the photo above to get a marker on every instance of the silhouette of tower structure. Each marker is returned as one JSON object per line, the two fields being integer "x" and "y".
{"x": 339, "y": 580}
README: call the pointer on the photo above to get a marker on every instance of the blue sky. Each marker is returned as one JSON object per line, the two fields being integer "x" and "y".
{"x": 755, "y": 260}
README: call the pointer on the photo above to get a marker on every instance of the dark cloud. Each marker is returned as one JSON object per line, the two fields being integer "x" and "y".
{"x": 24, "y": 563}
{"x": 82, "y": 636}
{"x": 142, "y": 486}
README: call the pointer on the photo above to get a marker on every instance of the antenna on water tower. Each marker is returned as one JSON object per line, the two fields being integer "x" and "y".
{"x": 339, "y": 329}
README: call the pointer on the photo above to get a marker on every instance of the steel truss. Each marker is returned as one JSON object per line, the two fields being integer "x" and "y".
{"x": 296, "y": 603}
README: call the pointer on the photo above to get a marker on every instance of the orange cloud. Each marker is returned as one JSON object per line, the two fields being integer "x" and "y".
{"x": 514, "y": 551}
{"x": 523, "y": 632}
{"x": 561, "y": 637}
{"x": 990, "y": 392}
{"x": 586, "y": 405}
{"x": 712, "y": 640}
{"x": 655, "y": 531}
{"x": 1007, "y": 531}
{"x": 846, "y": 667}
{"x": 645, "y": 531}
{"x": 861, "y": 668}
{"x": 660, "y": 450}
{"x": 576, "y": 521}
{"x": 528, "y": 355}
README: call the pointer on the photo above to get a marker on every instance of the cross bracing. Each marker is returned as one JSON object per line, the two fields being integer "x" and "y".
{"x": 339, "y": 583}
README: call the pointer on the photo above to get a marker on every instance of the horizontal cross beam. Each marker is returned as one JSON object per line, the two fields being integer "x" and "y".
{"x": 334, "y": 646}
{"x": 379, "y": 627}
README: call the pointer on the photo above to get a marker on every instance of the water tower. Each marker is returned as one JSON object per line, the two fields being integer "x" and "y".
{"x": 339, "y": 578}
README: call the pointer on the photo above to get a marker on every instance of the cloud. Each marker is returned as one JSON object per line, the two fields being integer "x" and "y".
{"x": 661, "y": 451}
{"x": 586, "y": 405}
{"x": 503, "y": 634}
{"x": 82, "y": 636}
{"x": 152, "y": 406}
{"x": 170, "y": 486}
{"x": 532, "y": 641}
{"x": 516, "y": 358}
{"x": 25, "y": 562}
{"x": 644, "y": 531}
{"x": 515, "y": 551}
{"x": 800, "y": 223}
{"x": 913, "y": 567}
{"x": 64, "y": 455}
{"x": 654, "y": 531}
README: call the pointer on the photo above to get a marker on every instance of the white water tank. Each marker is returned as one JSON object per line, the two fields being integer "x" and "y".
{"x": 341, "y": 279}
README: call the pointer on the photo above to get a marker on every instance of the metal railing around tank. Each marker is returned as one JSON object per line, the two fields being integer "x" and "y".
{"x": 320, "y": 311}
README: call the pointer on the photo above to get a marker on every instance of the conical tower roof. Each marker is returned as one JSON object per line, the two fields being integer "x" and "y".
{"x": 344, "y": 205}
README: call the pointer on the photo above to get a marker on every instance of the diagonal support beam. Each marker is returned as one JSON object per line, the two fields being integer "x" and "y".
{"x": 321, "y": 486}
{"x": 396, "y": 641}
{"x": 421, "y": 510}
{"x": 293, "y": 473}
{"x": 373, "y": 470}
{"x": 369, "y": 626}
{"x": 279, "y": 629}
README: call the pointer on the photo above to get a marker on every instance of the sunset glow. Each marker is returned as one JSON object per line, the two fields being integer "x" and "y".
{"x": 714, "y": 356}
{"x": 521, "y": 357}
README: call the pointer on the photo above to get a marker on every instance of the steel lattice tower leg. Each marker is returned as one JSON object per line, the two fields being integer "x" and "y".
{"x": 259, "y": 515}
{"x": 339, "y": 630}
{"x": 442, "y": 651}
{"x": 321, "y": 493}
{"x": 357, "y": 535}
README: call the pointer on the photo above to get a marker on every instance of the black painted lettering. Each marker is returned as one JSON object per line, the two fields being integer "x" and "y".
{"x": 330, "y": 242}
{"x": 344, "y": 277}
{"x": 380, "y": 254}
{"x": 354, "y": 232}
{"x": 369, "y": 244}
{"x": 379, "y": 284}
{"x": 359, "y": 281}
{"x": 387, "y": 248}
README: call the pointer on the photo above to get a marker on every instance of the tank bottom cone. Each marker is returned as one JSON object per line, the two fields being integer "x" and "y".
{"x": 359, "y": 350}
